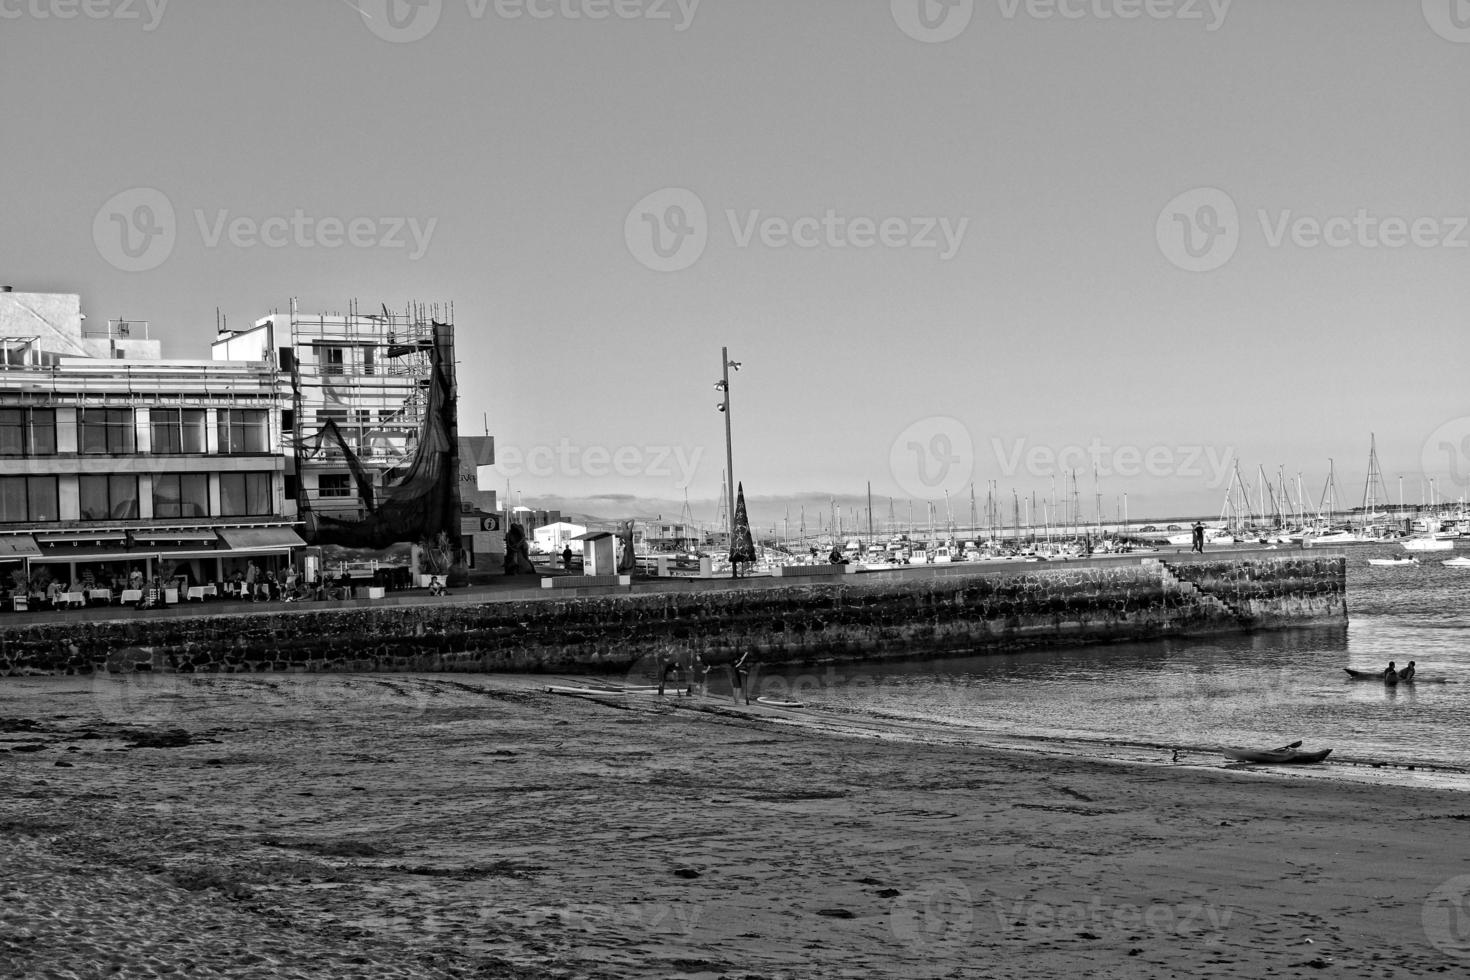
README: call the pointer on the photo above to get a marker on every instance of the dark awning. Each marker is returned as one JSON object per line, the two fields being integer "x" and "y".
{"x": 83, "y": 537}
{"x": 14, "y": 547}
{"x": 260, "y": 538}
{"x": 149, "y": 537}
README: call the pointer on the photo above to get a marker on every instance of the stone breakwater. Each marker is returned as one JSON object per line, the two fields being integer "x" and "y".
{"x": 854, "y": 617}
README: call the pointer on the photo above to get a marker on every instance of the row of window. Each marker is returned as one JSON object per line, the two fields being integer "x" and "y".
{"x": 115, "y": 496}
{"x": 112, "y": 431}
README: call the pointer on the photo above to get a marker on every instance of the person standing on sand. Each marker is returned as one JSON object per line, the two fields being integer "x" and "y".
{"x": 739, "y": 678}
{"x": 1199, "y": 538}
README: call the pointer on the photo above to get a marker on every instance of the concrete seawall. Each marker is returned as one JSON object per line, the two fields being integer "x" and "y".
{"x": 960, "y": 609}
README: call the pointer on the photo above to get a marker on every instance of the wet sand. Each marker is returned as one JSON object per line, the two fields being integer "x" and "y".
{"x": 391, "y": 826}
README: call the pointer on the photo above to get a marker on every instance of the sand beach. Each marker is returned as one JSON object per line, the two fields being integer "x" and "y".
{"x": 386, "y": 826}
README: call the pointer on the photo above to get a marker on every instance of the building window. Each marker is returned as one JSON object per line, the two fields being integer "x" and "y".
{"x": 369, "y": 361}
{"x": 106, "y": 431}
{"x": 334, "y": 361}
{"x": 242, "y": 431}
{"x": 244, "y": 494}
{"x": 28, "y": 498}
{"x": 27, "y": 432}
{"x": 109, "y": 497}
{"x": 180, "y": 495}
{"x": 334, "y": 485}
{"x": 178, "y": 430}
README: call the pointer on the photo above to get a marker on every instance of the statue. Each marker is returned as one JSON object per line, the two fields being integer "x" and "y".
{"x": 627, "y": 561}
{"x": 517, "y": 552}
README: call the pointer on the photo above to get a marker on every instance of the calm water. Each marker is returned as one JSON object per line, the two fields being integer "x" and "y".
{"x": 1260, "y": 690}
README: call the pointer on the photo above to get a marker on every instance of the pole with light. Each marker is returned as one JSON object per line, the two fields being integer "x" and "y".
{"x": 723, "y": 386}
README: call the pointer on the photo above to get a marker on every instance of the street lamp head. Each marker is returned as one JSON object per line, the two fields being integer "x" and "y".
{"x": 735, "y": 365}
{"x": 720, "y": 406}
{"x": 719, "y": 386}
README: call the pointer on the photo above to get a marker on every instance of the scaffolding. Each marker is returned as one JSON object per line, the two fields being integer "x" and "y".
{"x": 363, "y": 379}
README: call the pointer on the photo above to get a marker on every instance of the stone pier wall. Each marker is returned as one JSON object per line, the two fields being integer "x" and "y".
{"x": 780, "y": 621}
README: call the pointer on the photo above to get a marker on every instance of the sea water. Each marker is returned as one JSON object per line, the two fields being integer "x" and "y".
{"x": 1257, "y": 690}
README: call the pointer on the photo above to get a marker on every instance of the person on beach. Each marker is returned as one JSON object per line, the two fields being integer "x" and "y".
{"x": 1407, "y": 674}
{"x": 667, "y": 665}
{"x": 1199, "y": 538}
{"x": 739, "y": 678}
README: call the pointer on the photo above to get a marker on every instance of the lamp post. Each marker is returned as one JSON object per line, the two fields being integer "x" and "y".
{"x": 723, "y": 386}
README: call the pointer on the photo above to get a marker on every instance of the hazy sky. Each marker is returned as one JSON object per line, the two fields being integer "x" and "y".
{"x": 949, "y": 242}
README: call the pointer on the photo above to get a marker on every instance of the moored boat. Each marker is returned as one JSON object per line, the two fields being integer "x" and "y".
{"x": 1277, "y": 757}
{"x": 1393, "y": 562}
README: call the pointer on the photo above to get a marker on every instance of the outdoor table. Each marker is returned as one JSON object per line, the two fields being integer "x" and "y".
{"x": 131, "y": 595}
{"x": 73, "y": 599}
{"x": 200, "y": 591}
{"x": 100, "y": 595}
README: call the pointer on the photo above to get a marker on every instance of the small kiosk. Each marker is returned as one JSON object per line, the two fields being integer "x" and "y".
{"x": 598, "y": 553}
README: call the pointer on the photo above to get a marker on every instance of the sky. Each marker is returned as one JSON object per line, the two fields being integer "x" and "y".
{"x": 1000, "y": 244}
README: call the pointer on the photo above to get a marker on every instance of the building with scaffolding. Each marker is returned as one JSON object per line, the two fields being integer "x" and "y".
{"x": 370, "y": 428}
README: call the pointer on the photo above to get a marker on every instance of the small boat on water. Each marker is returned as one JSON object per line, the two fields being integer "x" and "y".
{"x": 1456, "y": 562}
{"x": 1286, "y": 755}
{"x": 1393, "y": 562}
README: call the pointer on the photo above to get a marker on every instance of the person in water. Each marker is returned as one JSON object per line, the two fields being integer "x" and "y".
{"x": 1390, "y": 674}
{"x": 1407, "y": 674}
